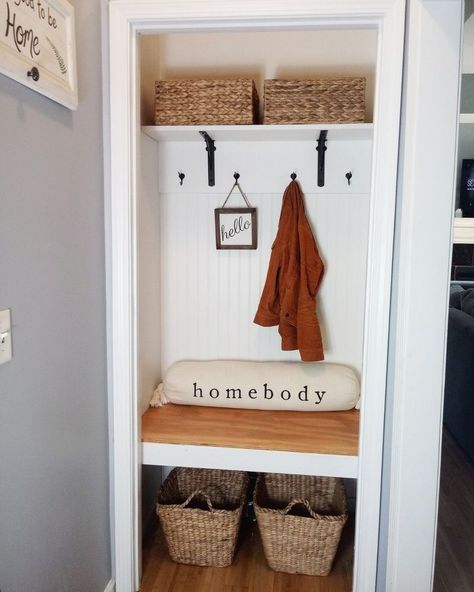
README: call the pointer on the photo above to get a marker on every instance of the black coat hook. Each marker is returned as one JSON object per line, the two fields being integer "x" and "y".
{"x": 236, "y": 176}
{"x": 181, "y": 176}
{"x": 293, "y": 176}
{"x": 349, "y": 177}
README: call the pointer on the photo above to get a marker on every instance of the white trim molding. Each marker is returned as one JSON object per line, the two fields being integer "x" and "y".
{"x": 127, "y": 18}
{"x": 110, "y": 586}
{"x": 244, "y": 459}
{"x": 420, "y": 297}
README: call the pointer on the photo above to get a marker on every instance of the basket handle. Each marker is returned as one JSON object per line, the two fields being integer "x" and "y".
{"x": 303, "y": 502}
{"x": 197, "y": 493}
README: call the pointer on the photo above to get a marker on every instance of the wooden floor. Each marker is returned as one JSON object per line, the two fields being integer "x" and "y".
{"x": 248, "y": 573}
{"x": 454, "y": 567}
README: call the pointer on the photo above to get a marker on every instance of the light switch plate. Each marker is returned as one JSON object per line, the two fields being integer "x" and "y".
{"x": 5, "y": 336}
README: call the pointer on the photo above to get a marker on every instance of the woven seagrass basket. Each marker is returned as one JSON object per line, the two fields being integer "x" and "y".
{"x": 300, "y": 519}
{"x": 337, "y": 100}
{"x": 200, "y": 512}
{"x": 206, "y": 102}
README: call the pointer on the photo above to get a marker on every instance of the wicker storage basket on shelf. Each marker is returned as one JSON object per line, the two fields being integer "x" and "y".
{"x": 337, "y": 100}
{"x": 200, "y": 512}
{"x": 206, "y": 102}
{"x": 300, "y": 519}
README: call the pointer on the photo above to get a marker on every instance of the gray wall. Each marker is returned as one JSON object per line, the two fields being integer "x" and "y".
{"x": 54, "y": 522}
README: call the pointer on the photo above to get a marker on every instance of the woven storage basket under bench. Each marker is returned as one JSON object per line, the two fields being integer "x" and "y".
{"x": 200, "y": 512}
{"x": 300, "y": 519}
{"x": 206, "y": 102}
{"x": 334, "y": 100}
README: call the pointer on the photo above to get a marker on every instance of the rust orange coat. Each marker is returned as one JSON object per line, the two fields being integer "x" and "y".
{"x": 294, "y": 275}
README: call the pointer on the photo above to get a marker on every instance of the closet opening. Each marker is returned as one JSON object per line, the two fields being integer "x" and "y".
{"x": 196, "y": 302}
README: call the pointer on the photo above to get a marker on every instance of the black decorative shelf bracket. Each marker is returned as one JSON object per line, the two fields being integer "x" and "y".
{"x": 210, "y": 147}
{"x": 321, "y": 148}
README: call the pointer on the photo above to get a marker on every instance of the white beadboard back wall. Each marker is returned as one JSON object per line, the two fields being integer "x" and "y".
{"x": 209, "y": 297}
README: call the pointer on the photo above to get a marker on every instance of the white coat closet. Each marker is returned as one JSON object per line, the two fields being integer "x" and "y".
{"x": 137, "y": 180}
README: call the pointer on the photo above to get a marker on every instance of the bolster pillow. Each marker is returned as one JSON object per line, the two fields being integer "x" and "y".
{"x": 290, "y": 386}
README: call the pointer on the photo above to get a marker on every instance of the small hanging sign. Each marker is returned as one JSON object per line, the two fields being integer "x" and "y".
{"x": 37, "y": 47}
{"x": 236, "y": 228}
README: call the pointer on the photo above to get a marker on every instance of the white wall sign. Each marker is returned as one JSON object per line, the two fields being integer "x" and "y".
{"x": 37, "y": 47}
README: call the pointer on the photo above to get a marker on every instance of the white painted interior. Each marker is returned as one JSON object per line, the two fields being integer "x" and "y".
{"x": 257, "y": 55}
{"x": 149, "y": 279}
{"x": 209, "y": 297}
{"x": 199, "y": 285}
{"x": 148, "y": 313}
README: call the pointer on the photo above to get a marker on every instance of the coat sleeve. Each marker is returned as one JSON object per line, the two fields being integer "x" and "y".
{"x": 311, "y": 272}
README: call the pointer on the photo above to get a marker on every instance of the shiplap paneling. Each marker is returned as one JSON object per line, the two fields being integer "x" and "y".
{"x": 199, "y": 303}
{"x": 209, "y": 297}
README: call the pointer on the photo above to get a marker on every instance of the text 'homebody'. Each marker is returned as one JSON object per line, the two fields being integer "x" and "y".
{"x": 263, "y": 392}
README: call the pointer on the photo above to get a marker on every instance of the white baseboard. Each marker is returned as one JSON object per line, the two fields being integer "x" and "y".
{"x": 110, "y": 586}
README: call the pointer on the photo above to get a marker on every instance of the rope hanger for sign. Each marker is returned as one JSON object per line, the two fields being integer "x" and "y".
{"x": 236, "y": 228}
{"x": 236, "y": 184}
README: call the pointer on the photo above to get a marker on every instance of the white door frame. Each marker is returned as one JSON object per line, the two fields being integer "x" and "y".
{"x": 423, "y": 242}
{"x": 126, "y": 19}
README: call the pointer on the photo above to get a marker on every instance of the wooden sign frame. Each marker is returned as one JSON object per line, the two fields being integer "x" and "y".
{"x": 239, "y": 226}
{"x": 38, "y": 47}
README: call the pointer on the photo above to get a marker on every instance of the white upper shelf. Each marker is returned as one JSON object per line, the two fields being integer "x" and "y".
{"x": 260, "y": 133}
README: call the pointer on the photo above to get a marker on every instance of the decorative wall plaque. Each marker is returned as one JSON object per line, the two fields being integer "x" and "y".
{"x": 236, "y": 228}
{"x": 38, "y": 49}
